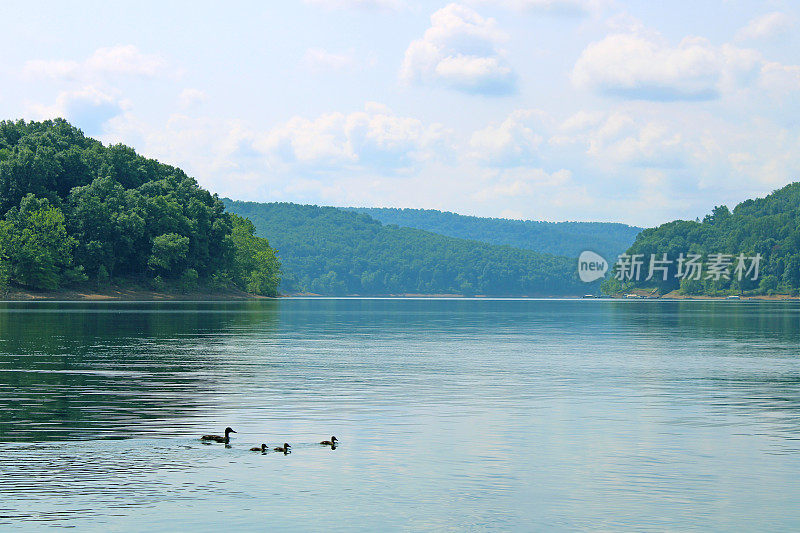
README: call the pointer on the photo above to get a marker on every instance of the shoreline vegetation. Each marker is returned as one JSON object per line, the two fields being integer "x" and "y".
{"x": 767, "y": 228}
{"x": 76, "y": 214}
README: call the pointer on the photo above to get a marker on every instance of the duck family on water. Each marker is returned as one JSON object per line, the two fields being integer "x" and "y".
{"x": 285, "y": 449}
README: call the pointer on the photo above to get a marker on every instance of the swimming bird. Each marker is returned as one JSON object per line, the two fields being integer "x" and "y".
{"x": 331, "y": 442}
{"x": 216, "y": 438}
{"x": 262, "y": 448}
{"x": 284, "y": 449}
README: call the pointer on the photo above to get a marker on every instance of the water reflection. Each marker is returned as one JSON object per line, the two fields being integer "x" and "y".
{"x": 453, "y": 414}
{"x": 86, "y": 370}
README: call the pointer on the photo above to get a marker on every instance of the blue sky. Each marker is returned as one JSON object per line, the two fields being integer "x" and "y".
{"x": 639, "y": 112}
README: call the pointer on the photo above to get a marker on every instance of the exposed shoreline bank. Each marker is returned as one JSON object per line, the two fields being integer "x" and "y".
{"x": 102, "y": 294}
{"x": 675, "y": 295}
{"x": 118, "y": 294}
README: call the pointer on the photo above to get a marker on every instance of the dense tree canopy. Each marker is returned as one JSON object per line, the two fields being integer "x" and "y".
{"x": 768, "y": 227}
{"x": 325, "y": 250}
{"x": 75, "y": 210}
{"x": 567, "y": 239}
{"x": 36, "y": 244}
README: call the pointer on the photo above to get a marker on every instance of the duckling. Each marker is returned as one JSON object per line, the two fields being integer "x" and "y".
{"x": 331, "y": 442}
{"x": 216, "y": 438}
{"x": 283, "y": 449}
{"x": 262, "y": 448}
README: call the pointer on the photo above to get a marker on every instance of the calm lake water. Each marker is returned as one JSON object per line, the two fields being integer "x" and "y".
{"x": 452, "y": 415}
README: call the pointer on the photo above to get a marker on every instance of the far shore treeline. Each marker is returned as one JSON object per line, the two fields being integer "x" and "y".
{"x": 75, "y": 213}
{"x": 768, "y": 227}
{"x": 332, "y": 251}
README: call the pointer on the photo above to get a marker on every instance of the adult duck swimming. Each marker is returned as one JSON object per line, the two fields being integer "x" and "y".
{"x": 218, "y": 438}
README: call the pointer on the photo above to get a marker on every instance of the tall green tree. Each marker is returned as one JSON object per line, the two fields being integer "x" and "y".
{"x": 169, "y": 254}
{"x": 35, "y": 240}
{"x": 255, "y": 267}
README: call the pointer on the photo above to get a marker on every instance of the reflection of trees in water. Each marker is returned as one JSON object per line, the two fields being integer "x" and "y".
{"x": 426, "y": 316}
{"x": 745, "y": 353}
{"x": 97, "y": 369}
{"x": 774, "y": 321}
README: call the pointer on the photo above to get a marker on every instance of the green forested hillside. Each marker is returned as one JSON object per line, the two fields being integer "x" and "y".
{"x": 74, "y": 211}
{"x": 567, "y": 239}
{"x": 326, "y": 250}
{"x": 767, "y": 226}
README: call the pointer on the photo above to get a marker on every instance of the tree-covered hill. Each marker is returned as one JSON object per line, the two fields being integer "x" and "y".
{"x": 73, "y": 211}
{"x": 768, "y": 227}
{"x": 557, "y": 238}
{"x": 326, "y": 250}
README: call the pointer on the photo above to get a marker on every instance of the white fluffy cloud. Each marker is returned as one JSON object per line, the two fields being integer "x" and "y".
{"x": 648, "y": 68}
{"x": 513, "y": 142}
{"x": 521, "y": 183}
{"x": 622, "y": 141}
{"x": 766, "y": 26}
{"x": 104, "y": 62}
{"x": 88, "y": 108}
{"x": 373, "y": 138}
{"x": 639, "y": 151}
{"x": 336, "y": 156}
{"x": 460, "y": 51}
{"x": 610, "y": 140}
{"x": 782, "y": 79}
{"x": 219, "y": 153}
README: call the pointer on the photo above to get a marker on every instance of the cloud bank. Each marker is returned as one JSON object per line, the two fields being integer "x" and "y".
{"x": 647, "y": 67}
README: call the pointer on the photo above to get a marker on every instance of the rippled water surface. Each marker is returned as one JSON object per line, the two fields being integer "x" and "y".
{"x": 452, "y": 415}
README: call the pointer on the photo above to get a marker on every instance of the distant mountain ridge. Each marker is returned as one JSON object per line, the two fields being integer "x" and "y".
{"x": 332, "y": 251}
{"x": 567, "y": 239}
